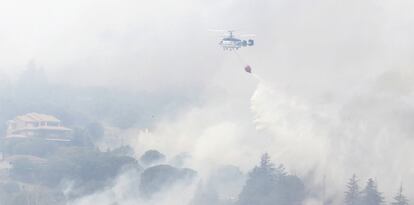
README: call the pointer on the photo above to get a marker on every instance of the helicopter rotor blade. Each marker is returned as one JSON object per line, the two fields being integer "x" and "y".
{"x": 223, "y": 30}
{"x": 248, "y": 35}
{"x": 216, "y": 30}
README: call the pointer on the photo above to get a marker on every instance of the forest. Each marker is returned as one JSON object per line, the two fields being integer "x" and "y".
{"x": 44, "y": 172}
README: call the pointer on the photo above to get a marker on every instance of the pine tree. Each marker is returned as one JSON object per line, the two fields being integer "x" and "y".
{"x": 267, "y": 166}
{"x": 269, "y": 185}
{"x": 265, "y": 162}
{"x": 400, "y": 199}
{"x": 352, "y": 195}
{"x": 260, "y": 183}
{"x": 371, "y": 195}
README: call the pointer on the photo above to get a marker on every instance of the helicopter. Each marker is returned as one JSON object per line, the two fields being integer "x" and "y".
{"x": 230, "y": 42}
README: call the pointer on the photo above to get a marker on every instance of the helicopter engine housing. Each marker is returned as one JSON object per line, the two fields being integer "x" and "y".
{"x": 250, "y": 42}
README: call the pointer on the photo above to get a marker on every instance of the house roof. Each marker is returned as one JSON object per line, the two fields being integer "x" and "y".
{"x": 36, "y": 117}
{"x": 45, "y": 128}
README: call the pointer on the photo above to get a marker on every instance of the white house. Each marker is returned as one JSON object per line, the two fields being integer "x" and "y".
{"x": 43, "y": 126}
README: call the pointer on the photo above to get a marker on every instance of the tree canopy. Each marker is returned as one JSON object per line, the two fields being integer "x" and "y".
{"x": 268, "y": 185}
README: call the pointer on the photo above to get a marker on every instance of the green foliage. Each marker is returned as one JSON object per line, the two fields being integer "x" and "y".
{"x": 371, "y": 195}
{"x": 25, "y": 169}
{"x": 29, "y": 146}
{"x": 151, "y": 157}
{"x": 352, "y": 195}
{"x": 78, "y": 164}
{"x": 123, "y": 151}
{"x": 95, "y": 130}
{"x": 82, "y": 138}
{"x": 28, "y": 195}
{"x": 155, "y": 178}
{"x": 268, "y": 185}
{"x": 80, "y": 106}
{"x": 400, "y": 198}
{"x": 205, "y": 196}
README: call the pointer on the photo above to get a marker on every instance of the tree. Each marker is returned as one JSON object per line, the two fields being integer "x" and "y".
{"x": 400, "y": 199}
{"x": 371, "y": 195}
{"x": 157, "y": 178}
{"x": 352, "y": 195}
{"x": 81, "y": 137}
{"x": 152, "y": 157}
{"x": 123, "y": 151}
{"x": 260, "y": 183}
{"x": 205, "y": 195}
{"x": 267, "y": 185}
{"x": 95, "y": 130}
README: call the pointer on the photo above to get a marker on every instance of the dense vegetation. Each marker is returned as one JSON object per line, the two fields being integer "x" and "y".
{"x": 54, "y": 173}
{"x": 79, "y": 106}
{"x": 370, "y": 194}
{"x": 268, "y": 184}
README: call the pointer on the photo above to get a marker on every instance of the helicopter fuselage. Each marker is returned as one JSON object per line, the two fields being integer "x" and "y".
{"x": 231, "y": 43}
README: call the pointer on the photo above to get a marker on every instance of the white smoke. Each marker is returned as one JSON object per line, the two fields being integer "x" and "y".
{"x": 333, "y": 112}
{"x": 125, "y": 192}
{"x": 323, "y": 142}
{"x": 369, "y": 135}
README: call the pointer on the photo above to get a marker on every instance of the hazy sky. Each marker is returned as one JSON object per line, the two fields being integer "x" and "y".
{"x": 163, "y": 43}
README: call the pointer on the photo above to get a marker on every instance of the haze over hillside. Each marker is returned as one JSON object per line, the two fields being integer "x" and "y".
{"x": 331, "y": 95}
